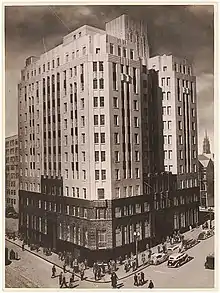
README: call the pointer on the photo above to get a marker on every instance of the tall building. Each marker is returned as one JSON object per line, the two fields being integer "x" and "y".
{"x": 206, "y": 175}
{"x": 90, "y": 128}
{"x": 11, "y": 172}
{"x": 206, "y": 145}
{"x": 178, "y": 85}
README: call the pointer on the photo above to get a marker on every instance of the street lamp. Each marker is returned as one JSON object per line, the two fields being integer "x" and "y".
{"x": 136, "y": 237}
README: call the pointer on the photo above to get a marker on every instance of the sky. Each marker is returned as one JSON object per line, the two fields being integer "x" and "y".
{"x": 184, "y": 31}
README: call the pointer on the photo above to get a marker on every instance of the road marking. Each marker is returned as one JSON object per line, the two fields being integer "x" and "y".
{"x": 156, "y": 271}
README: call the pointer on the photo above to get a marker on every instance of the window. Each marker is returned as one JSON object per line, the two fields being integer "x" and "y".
{"x": 65, "y": 140}
{"x": 181, "y": 154}
{"x": 101, "y": 193}
{"x": 84, "y": 196}
{"x": 115, "y": 102}
{"x": 163, "y": 81}
{"x": 181, "y": 169}
{"x": 102, "y": 102}
{"x": 193, "y": 126}
{"x": 67, "y": 191}
{"x": 168, "y": 96}
{"x": 66, "y": 173}
{"x": 136, "y": 124}
{"x": 194, "y": 168}
{"x": 116, "y": 156}
{"x": 193, "y": 112}
{"x": 137, "y": 173}
{"x": 164, "y": 68}
{"x": 194, "y": 154}
{"x": 84, "y": 50}
{"x": 84, "y": 174}
{"x": 96, "y": 137}
{"x": 169, "y": 139}
{"x": 170, "y": 168}
{"x": 97, "y": 50}
{"x": 102, "y": 119}
{"x": 75, "y": 71}
{"x": 180, "y": 125}
{"x": 179, "y": 111}
{"x": 96, "y": 120}
{"x": 77, "y": 192}
{"x": 116, "y": 138}
{"x": 136, "y": 138}
{"x": 82, "y": 103}
{"x": 135, "y": 105}
{"x": 96, "y": 156}
{"x": 95, "y": 102}
{"x": 163, "y": 95}
{"x": 94, "y": 66}
{"x": 83, "y": 138}
{"x": 116, "y": 120}
{"x": 164, "y": 111}
{"x": 117, "y": 192}
{"x": 168, "y": 81}
{"x": 83, "y": 121}
{"x": 124, "y": 52}
{"x": 169, "y": 155}
{"x": 117, "y": 174}
{"x": 169, "y": 124}
{"x": 96, "y": 174}
{"x": 132, "y": 54}
{"x": 101, "y": 238}
{"x": 102, "y": 156}
{"x": 65, "y": 123}
{"x": 101, "y": 83}
{"x": 111, "y": 49}
{"x": 102, "y": 137}
{"x": 193, "y": 140}
{"x": 137, "y": 156}
{"x": 95, "y": 84}
{"x": 119, "y": 51}
{"x": 180, "y": 139}
{"x": 169, "y": 110}
{"x": 66, "y": 157}
{"x": 103, "y": 173}
{"x": 101, "y": 66}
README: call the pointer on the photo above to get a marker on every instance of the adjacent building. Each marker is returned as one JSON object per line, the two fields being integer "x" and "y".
{"x": 206, "y": 175}
{"x": 90, "y": 137}
{"x": 11, "y": 172}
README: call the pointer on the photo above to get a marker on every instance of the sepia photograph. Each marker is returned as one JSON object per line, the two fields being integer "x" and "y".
{"x": 109, "y": 146}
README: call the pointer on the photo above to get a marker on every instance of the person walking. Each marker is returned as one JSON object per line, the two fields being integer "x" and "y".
{"x": 64, "y": 267}
{"x": 95, "y": 270}
{"x": 53, "y": 271}
{"x": 82, "y": 269}
{"x": 139, "y": 280}
{"x": 22, "y": 246}
{"x": 64, "y": 283}
{"x": 71, "y": 282}
{"x": 114, "y": 279}
{"x": 142, "y": 278}
{"x": 135, "y": 280}
{"x": 151, "y": 285}
{"x": 60, "y": 278}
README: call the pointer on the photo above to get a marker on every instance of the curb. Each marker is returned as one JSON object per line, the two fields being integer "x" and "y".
{"x": 87, "y": 280}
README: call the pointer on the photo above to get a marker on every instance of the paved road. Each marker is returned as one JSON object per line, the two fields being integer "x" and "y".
{"x": 32, "y": 272}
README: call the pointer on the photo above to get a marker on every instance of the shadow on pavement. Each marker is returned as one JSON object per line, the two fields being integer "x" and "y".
{"x": 120, "y": 285}
{"x": 8, "y": 262}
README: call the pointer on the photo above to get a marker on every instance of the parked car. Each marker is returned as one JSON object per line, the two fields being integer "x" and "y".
{"x": 189, "y": 243}
{"x": 177, "y": 259}
{"x": 173, "y": 248}
{"x": 158, "y": 258}
{"x": 210, "y": 262}
{"x": 205, "y": 234}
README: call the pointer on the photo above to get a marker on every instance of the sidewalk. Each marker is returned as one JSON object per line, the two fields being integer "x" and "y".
{"x": 89, "y": 276}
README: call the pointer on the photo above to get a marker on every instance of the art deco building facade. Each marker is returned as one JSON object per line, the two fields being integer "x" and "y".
{"x": 87, "y": 111}
{"x": 11, "y": 171}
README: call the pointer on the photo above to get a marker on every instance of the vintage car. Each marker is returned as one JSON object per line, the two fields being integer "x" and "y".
{"x": 158, "y": 258}
{"x": 177, "y": 259}
{"x": 173, "y": 248}
{"x": 210, "y": 262}
{"x": 189, "y": 243}
{"x": 205, "y": 234}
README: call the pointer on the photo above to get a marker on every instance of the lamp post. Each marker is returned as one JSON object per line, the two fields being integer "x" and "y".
{"x": 136, "y": 237}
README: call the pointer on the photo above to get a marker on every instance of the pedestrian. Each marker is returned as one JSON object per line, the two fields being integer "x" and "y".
{"x": 22, "y": 246}
{"x": 53, "y": 271}
{"x": 82, "y": 269}
{"x": 120, "y": 260}
{"x": 86, "y": 264}
{"x": 103, "y": 267}
{"x": 158, "y": 248}
{"x": 151, "y": 285}
{"x": 135, "y": 280}
{"x": 139, "y": 279}
{"x": 190, "y": 228}
{"x": 64, "y": 283}
{"x": 71, "y": 282}
{"x": 164, "y": 248}
{"x": 114, "y": 279}
{"x": 60, "y": 278}
{"x": 142, "y": 278}
{"x": 64, "y": 267}
{"x": 95, "y": 270}
{"x": 134, "y": 265}
{"x": 73, "y": 275}
{"x": 99, "y": 272}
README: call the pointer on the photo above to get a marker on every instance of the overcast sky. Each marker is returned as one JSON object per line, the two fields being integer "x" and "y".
{"x": 184, "y": 31}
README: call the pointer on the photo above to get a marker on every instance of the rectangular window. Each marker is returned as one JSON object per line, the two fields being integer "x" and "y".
{"x": 164, "y": 110}
{"x": 101, "y": 83}
{"x": 96, "y": 138}
{"x": 102, "y": 156}
{"x": 180, "y": 124}
{"x": 101, "y": 66}
{"x": 137, "y": 156}
{"x": 103, "y": 172}
{"x": 82, "y": 103}
{"x": 168, "y": 81}
{"x": 101, "y": 193}
{"x": 65, "y": 123}
{"x": 67, "y": 191}
{"x": 116, "y": 122}
{"x": 116, "y": 138}
{"x": 84, "y": 196}
{"x": 135, "y": 105}
{"x": 96, "y": 156}
{"x": 111, "y": 48}
{"x": 102, "y": 119}
{"x": 117, "y": 174}
{"x": 180, "y": 139}
{"x": 169, "y": 155}
{"x": 77, "y": 192}
{"x": 95, "y": 102}
{"x": 169, "y": 124}
{"x": 94, "y": 66}
{"x": 101, "y": 102}
{"x": 84, "y": 174}
{"x": 96, "y": 174}
{"x": 137, "y": 173}
{"x": 116, "y": 156}
{"x": 181, "y": 154}
{"x": 163, "y": 81}
{"x": 119, "y": 51}
{"x": 83, "y": 138}
{"x": 102, "y": 137}
{"x": 179, "y": 111}
{"x": 96, "y": 120}
{"x": 83, "y": 121}
{"x": 136, "y": 123}
{"x": 136, "y": 138}
{"x": 115, "y": 102}
{"x": 95, "y": 83}
{"x": 169, "y": 139}
{"x": 132, "y": 54}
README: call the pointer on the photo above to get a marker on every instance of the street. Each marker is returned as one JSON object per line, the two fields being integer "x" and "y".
{"x": 32, "y": 272}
